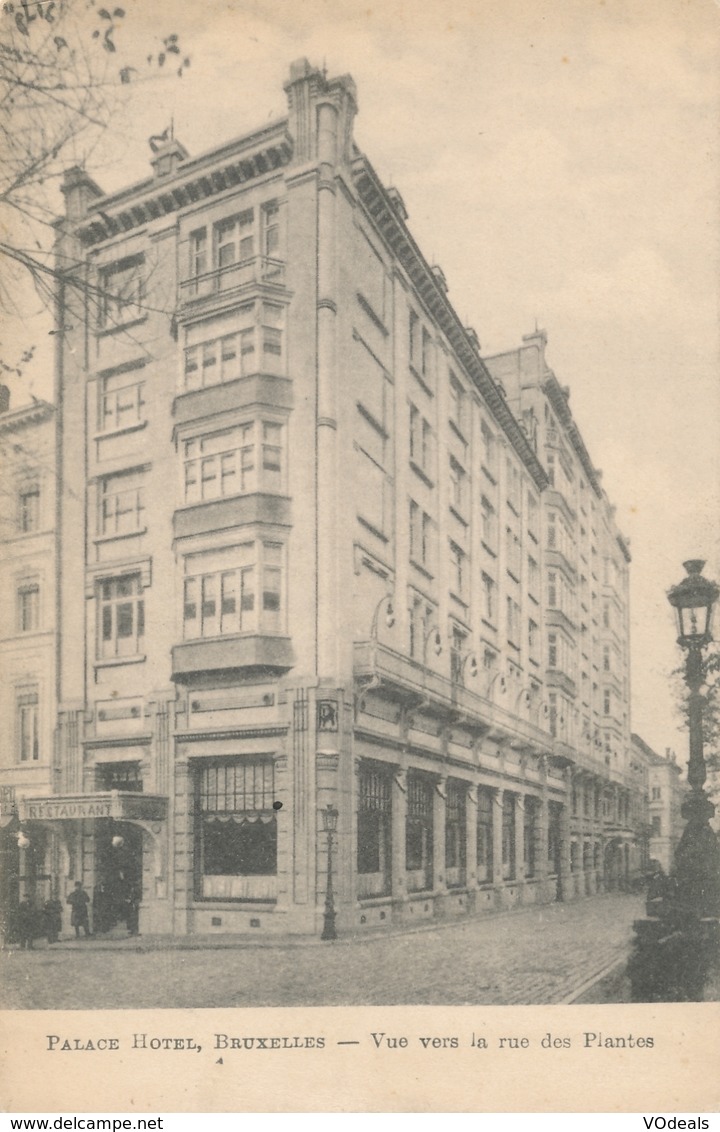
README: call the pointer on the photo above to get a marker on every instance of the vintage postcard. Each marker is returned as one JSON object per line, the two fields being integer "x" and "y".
{"x": 359, "y": 423}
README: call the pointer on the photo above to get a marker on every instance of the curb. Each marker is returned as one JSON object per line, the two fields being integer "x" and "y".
{"x": 598, "y": 977}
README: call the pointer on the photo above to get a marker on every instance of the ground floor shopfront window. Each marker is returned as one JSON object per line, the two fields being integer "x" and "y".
{"x": 419, "y": 833}
{"x": 508, "y": 837}
{"x": 485, "y": 835}
{"x": 236, "y": 831}
{"x": 554, "y": 841}
{"x": 456, "y": 833}
{"x": 530, "y": 826}
{"x": 374, "y": 832}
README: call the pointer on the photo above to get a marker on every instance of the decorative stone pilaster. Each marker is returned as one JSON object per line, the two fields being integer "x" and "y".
{"x": 566, "y": 891}
{"x": 399, "y": 857}
{"x": 497, "y": 836}
{"x": 471, "y": 810}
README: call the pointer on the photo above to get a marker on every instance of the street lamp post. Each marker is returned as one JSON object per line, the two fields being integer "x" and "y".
{"x": 673, "y": 951}
{"x": 697, "y": 889}
{"x": 329, "y": 820}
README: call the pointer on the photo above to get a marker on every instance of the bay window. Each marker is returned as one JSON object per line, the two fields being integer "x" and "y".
{"x": 247, "y": 340}
{"x": 236, "y": 461}
{"x": 238, "y": 589}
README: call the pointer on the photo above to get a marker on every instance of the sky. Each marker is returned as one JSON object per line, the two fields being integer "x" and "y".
{"x": 561, "y": 162}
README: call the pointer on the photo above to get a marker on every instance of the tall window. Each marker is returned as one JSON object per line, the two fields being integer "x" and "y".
{"x": 221, "y": 590}
{"x": 243, "y": 459}
{"x": 426, "y": 361}
{"x": 236, "y": 830}
{"x": 533, "y": 577}
{"x": 421, "y": 620}
{"x": 513, "y": 620}
{"x": 420, "y": 441}
{"x": 458, "y": 486}
{"x": 122, "y": 401}
{"x": 554, "y": 841}
{"x": 413, "y": 337}
{"x": 456, "y": 832}
{"x": 420, "y": 536}
{"x": 513, "y": 485}
{"x": 484, "y": 835}
{"x": 28, "y": 607}
{"x": 552, "y": 590}
{"x": 488, "y": 521}
{"x": 419, "y": 832}
{"x": 458, "y": 404}
{"x": 530, "y": 829}
{"x": 122, "y": 290}
{"x": 374, "y": 830}
{"x": 458, "y": 649}
{"x": 198, "y": 253}
{"x": 533, "y": 516}
{"x": 513, "y": 553}
{"x": 122, "y": 504}
{"x": 234, "y": 239}
{"x": 489, "y": 450}
{"x": 29, "y": 508}
{"x": 252, "y": 343}
{"x": 122, "y": 617}
{"x": 458, "y": 571}
{"x": 488, "y": 598}
{"x": 508, "y": 836}
{"x": 28, "y": 742}
{"x": 271, "y": 229}
{"x": 533, "y": 639}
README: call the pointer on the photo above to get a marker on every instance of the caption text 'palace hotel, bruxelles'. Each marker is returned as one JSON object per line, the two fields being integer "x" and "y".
{"x": 315, "y": 550}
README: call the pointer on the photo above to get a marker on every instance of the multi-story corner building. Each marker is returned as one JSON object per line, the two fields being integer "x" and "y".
{"x": 665, "y": 797}
{"x": 302, "y": 561}
{"x": 27, "y": 645}
{"x": 586, "y": 665}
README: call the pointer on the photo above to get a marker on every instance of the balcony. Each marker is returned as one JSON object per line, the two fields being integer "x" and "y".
{"x": 556, "y": 678}
{"x": 261, "y": 652}
{"x": 234, "y": 277}
{"x": 416, "y": 684}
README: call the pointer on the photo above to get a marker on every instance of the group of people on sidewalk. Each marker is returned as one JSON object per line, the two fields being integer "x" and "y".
{"x": 32, "y": 923}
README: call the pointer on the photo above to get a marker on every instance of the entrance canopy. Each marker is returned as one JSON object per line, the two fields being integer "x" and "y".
{"x": 111, "y": 804}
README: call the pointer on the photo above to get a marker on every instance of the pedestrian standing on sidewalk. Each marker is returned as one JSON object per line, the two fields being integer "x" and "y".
{"x": 79, "y": 900}
{"x": 26, "y": 923}
{"x": 52, "y": 919}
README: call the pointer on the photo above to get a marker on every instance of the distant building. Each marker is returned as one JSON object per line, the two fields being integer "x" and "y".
{"x": 27, "y": 644}
{"x": 665, "y": 796}
{"x": 306, "y": 561}
{"x": 586, "y": 665}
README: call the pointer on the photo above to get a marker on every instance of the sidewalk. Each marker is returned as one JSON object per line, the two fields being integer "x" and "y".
{"x": 547, "y": 954}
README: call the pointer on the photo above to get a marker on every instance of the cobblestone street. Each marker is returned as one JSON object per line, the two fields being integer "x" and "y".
{"x": 530, "y": 956}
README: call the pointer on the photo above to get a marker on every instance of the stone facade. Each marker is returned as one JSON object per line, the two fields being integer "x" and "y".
{"x": 305, "y": 562}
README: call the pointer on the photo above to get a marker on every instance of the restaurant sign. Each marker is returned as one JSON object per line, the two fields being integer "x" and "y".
{"x": 117, "y": 804}
{"x": 63, "y": 809}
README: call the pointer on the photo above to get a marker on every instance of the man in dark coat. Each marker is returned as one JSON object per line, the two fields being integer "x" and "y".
{"x": 26, "y": 924}
{"x": 79, "y": 900}
{"x": 52, "y": 919}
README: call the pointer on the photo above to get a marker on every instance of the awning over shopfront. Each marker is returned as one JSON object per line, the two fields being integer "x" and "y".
{"x": 116, "y": 804}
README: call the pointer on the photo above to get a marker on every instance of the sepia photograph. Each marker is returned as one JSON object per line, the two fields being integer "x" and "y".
{"x": 360, "y": 443}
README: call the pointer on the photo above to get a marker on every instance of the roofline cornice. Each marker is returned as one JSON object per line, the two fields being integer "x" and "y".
{"x": 26, "y": 415}
{"x": 196, "y": 179}
{"x": 375, "y": 198}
